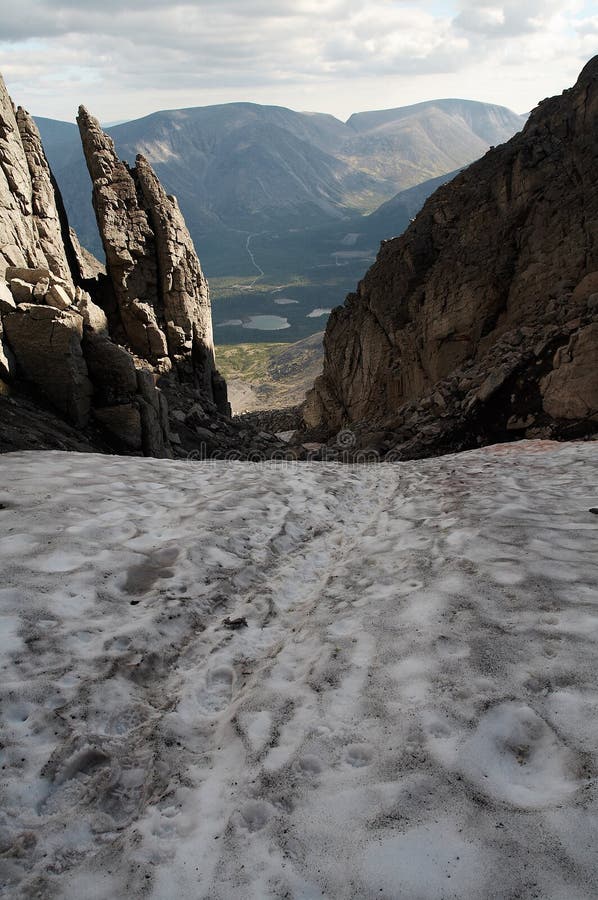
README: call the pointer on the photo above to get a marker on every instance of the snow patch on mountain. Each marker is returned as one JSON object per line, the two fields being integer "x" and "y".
{"x": 234, "y": 680}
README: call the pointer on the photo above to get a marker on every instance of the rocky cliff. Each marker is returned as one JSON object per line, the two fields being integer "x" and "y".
{"x": 119, "y": 360}
{"x": 162, "y": 295}
{"x": 480, "y": 322}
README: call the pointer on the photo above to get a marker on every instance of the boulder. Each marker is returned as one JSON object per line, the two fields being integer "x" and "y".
{"x": 40, "y": 290}
{"x": 111, "y": 369}
{"x": 586, "y": 287}
{"x": 7, "y": 302}
{"x": 46, "y": 343}
{"x": 570, "y": 390}
{"x": 155, "y": 438}
{"x": 22, "y": 291}
{"x": 58, "y": 297}
{"x": 146, "y": 337}
{"x": 93, "y": 316}
{"x": 31, "y": 276}
{"x": 146, "y": 385}
{"x": 122, "y": 422}
{"x": 126, "y": 396}
{"x": 8, "y": 365}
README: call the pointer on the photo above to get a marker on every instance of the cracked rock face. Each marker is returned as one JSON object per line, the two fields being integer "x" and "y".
{"x": 19, "y": 240}
{"x": 507, "y": 251}
{"x": 127, "y": 238}
{"x": 47, "y": 345}
{"x": 570, "y": 390}
{"x": 46, "y": 203}
{"x": 32, "y": 219}
{"x": 162, "y": 294}
{"x": 183, "y": 288}
{"x": 55, "y": 339}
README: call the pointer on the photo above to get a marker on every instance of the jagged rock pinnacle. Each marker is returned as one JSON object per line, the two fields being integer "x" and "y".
{"x": 161, "y": 291}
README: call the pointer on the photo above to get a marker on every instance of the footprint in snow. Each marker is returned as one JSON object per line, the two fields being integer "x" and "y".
{"x": 218, "y": 690}
{"x": 309, "y": 765}
{"x": 359, "y": 755}
{"x": 254, "y": 815}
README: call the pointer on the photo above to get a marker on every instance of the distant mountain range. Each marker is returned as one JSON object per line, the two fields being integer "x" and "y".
{"x": 292, "y": 183}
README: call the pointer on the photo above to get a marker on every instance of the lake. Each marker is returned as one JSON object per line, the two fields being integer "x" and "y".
{"x": 260, "y": 323}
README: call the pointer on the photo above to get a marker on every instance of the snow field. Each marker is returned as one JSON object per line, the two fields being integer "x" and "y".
{"x": 411, "y": 711}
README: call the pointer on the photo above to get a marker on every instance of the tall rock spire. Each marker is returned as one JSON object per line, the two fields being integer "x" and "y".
{"x": 162, "y": 294}
{"x": 182, "y": 287}
{"x": 19, "y": 240}
{"x": 127, "y": 238}
{"x": 47, "y": 209}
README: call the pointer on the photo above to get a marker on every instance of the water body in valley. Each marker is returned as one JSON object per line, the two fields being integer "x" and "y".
{"x": 260, "y": 323}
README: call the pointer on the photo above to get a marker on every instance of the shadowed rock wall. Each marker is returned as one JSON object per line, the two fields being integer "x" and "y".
{"x": 479, "y": 322}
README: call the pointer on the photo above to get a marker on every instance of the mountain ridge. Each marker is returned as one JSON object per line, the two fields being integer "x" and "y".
{"x": 314, "y": 114}
{"x": 212, "y": 157}
{"x": 288, "y": 182}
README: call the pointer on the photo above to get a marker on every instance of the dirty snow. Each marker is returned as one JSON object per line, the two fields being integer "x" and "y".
{"x": 411, "y": 711}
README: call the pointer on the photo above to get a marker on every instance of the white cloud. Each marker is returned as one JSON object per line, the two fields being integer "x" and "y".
{"x": 129, "y": 58}
{"x": 482, "y": 19}
{"x": 515, "y": 18}
{"x": 588, "y": 26}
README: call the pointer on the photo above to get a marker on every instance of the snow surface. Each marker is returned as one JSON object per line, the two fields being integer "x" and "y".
{"x": 411, "y": 711}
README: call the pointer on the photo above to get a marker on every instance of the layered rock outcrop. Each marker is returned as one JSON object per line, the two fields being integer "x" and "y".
{"x": 56, "y": 344}
{"x": 480, "y": 322}
{"x": 124, "y": 356}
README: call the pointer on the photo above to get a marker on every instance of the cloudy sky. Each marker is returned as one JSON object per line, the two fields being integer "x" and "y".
{"x": 126, "y": 58}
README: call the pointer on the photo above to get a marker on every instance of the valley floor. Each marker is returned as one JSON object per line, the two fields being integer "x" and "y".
{"x": 270, "y": 376}
{"x": 411, "y": 710}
